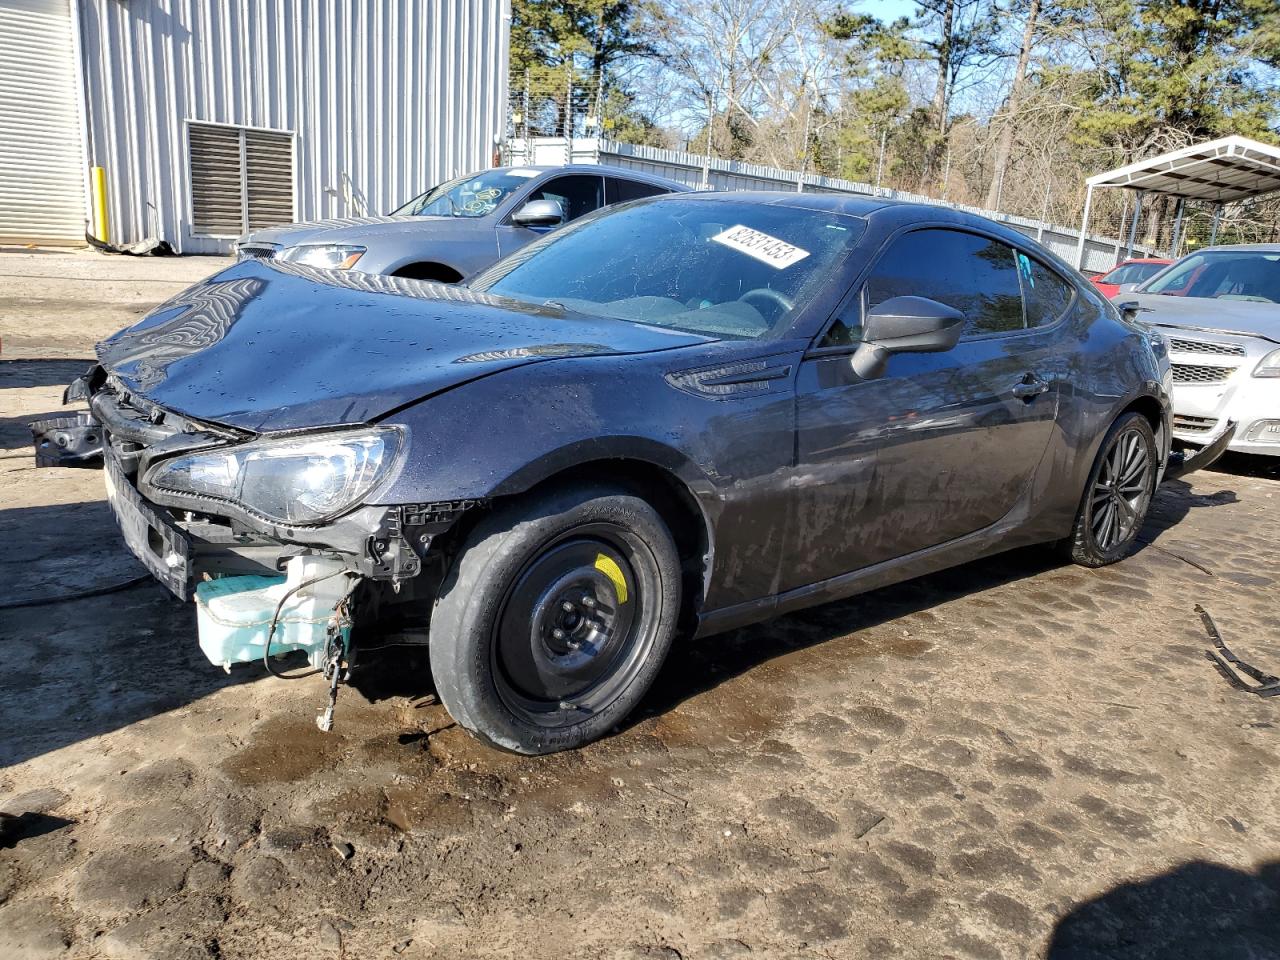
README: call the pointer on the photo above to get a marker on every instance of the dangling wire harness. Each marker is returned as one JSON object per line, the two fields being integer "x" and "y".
{"x": 336, "y": 661}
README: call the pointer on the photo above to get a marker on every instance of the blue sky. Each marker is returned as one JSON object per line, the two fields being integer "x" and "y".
{"x": 887, "y": 9}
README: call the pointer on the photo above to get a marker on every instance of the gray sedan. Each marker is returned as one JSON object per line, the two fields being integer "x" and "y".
{"x": 459, "y": 227}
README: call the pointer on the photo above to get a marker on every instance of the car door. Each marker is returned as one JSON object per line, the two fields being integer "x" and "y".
{"x": 576, "y": 193}
{"x": 943, "y": 444}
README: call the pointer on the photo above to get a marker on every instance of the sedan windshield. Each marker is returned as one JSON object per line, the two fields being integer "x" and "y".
{"x": 1223, "y": 275}
{"x": 730, "y": 269}
{"x": 477, "y": 195}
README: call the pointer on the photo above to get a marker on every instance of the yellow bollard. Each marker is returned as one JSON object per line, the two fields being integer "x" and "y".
{"x": 99, "y": 187}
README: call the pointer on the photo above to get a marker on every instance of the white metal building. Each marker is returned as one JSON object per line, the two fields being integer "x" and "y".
{"x": 213, "y": 117}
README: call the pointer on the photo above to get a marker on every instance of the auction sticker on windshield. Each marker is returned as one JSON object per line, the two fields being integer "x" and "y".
{"x": 776, "y": 253}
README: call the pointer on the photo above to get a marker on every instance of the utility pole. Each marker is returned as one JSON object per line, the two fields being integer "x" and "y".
{"x": 706, "y": 155}
{"x": 884, "y": 134}
{"x": 568, "y": 117}
{"x": 804, "y": 144}
{"x": 525, "y": 115}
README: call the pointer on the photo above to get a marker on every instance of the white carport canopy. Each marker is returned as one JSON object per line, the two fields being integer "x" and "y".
{"x": 1217, "y": 172}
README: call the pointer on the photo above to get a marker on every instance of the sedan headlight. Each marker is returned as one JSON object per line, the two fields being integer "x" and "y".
{"x": 1268, "y": 366}
{"x": 327, "y": 256}
{"x": 302, "y": 480}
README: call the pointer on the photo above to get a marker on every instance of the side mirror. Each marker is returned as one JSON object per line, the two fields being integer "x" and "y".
{"x": 1129, "y": 309}
{"x": 539, "y": 213}
{"x": 905, "y": 325}
{"x": 1126, "y": 288}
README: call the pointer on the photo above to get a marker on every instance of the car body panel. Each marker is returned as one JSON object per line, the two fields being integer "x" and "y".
{"x": 228, "y": 350}
{"x": 861, "y": 444}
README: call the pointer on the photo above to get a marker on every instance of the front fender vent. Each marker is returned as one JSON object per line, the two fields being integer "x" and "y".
{"x": 751, "y": 378}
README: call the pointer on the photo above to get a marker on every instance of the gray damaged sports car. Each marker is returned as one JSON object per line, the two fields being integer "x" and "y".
{"x": 671, "y": 418}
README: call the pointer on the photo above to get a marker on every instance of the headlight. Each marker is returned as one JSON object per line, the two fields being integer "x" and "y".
{"x": 303, "y": 480}
{"x": 328, "y": 256}
{"x": 1268, "y": 366}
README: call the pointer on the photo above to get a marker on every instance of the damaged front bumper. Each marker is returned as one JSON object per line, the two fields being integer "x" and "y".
{"x": 380, "y": 549}
{"x": 1182, "y": 462}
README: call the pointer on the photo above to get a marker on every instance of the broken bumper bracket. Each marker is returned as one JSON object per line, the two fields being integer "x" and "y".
{"x": 71, "y": 441}
{"x": 1232, "y": 667}
{"x": 1182, "y": 462}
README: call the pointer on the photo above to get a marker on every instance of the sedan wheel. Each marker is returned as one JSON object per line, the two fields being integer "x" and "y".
{"x": 555, "y": 618}
{"x": 574, "y": 628}
{"x": 1120, "y": 492}
{"x": 1121, "y": 485}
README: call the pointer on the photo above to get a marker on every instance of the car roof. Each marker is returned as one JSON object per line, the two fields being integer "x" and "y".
{"x": 602, "y": 170}
{"x": 894, "y": 212}
{"x": 1241, "y": 247}
{"x": 847, "y": 203}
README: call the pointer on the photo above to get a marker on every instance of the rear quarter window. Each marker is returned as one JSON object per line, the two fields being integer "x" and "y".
{"x": 1047, "y": 295}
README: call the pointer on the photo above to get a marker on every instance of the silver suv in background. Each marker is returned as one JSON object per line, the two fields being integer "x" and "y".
{"x": 459, "y": 227}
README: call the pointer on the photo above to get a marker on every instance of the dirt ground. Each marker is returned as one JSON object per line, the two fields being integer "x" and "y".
{"x": 1011, "y": 759}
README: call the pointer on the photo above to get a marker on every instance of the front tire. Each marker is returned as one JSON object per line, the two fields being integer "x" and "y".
{"x": 1118, "y": 494}
{"x": 556, "y": 618}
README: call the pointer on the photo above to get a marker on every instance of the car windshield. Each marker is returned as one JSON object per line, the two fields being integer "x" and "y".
{"x": 1132, "y": 272}
{"x": 477, "y": 195}
{"x": 1223, "y": 275}
{"x": 729, "y": 269}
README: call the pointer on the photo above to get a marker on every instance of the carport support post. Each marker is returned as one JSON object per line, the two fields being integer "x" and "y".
{"x": 1084, "y": 226}
{"x": 1217, "y": 219}
{"x": 1133, "y": 224}
{"x": 1177, "y": 229}
{"x": 1124, "y": 211}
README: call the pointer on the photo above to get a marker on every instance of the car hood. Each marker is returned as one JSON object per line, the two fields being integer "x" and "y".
{"x": 267, "y": 346}
{"x": 359, "y": 230}
{"x": 1198, "y": 313}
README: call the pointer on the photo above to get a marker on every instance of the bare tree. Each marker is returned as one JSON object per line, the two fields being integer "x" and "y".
{"x": 719, "y": 51}
{"x": 1004, "y": 143}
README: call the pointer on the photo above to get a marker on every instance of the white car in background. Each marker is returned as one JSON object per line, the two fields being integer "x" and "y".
{"x": 1219, "y": 310}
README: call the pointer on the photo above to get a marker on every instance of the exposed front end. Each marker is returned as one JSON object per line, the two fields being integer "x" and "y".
{"x": 271, "y": 534}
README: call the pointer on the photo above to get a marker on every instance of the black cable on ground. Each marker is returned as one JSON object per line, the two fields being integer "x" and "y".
{"x": 77, "y": 595}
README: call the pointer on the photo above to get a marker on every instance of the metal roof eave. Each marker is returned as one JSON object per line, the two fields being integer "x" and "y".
{"x": 1232, "y": 168}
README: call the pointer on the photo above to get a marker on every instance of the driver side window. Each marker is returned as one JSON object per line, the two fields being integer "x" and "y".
{"x": 577, "y": 195}
{"x": 977, "y": 275}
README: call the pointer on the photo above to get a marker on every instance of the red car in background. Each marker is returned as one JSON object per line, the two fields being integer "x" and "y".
{"x": 1137, "y": 270}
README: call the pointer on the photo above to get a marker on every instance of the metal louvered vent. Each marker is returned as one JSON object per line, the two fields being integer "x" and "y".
{"x": 268, "y": 161}
{"x": 217, "y": 180}
{"x": 1198, "y": 373}
{"x": 1204, "y": 346}
{"x": 241, "y": 180}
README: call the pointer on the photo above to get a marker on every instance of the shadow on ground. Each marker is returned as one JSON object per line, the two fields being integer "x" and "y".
{"x": 1198, "y": 911}
{"x": 15, "y": 374}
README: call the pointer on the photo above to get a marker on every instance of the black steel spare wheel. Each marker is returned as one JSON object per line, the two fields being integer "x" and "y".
{"x": 555, "y": 619}
{"x": 576, "y": 626}
{"x": 1118, "y": 495}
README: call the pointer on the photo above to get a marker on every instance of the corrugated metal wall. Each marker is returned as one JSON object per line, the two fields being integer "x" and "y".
{"x": 1100, "y": 253}
{"x": 41, "y": 183}
{"x": 384, "y": 97}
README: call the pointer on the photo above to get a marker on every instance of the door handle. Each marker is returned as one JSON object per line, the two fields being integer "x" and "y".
{"x": 1029, "y": 387}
